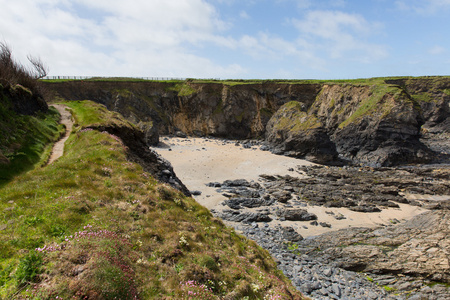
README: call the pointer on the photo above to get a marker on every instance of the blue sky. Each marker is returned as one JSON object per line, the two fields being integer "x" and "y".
{"x": 289, "y": 39}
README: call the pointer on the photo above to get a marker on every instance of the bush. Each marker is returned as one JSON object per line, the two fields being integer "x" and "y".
{"x": 13, "y": 73}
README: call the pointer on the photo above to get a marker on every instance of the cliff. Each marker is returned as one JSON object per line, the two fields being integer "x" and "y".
{"x": 373, "y": 121}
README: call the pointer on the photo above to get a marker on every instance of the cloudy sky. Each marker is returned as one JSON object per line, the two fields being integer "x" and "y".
{"x": 292, "y": 39}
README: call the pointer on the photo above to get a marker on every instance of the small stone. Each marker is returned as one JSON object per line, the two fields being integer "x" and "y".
{"x": 325, "y": 224}
{"x": 327, "y": 272}
{"x": 306, "y": 288}
{"x": 336, "y": 290}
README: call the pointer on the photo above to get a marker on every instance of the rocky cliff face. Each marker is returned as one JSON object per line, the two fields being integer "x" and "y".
{"x": 239, "y": 111}
{"x": 375, "y": 123}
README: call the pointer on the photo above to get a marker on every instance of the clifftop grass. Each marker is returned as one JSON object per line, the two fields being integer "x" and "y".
{"x": 95, "y": 225}
{"x": 232, "y": 82}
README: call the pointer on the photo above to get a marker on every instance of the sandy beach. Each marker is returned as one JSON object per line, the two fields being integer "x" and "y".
{"x": 198, "y": 161}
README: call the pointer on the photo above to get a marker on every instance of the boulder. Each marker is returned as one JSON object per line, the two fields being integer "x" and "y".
{"x": 296, "y": 215}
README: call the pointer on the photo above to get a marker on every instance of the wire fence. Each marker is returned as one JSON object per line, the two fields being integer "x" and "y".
{"x": 116, "y": 78}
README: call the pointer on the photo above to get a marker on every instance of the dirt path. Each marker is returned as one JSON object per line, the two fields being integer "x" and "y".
{"x": 66, "y": 120}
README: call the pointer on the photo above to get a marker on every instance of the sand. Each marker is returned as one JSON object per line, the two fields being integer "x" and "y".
{"x": 198, "y": 161}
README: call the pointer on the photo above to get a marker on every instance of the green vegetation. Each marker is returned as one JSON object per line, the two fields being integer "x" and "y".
{"x": 24, "y": 140}
{"x": 423, "y": 97}
{"x": 183, "y": 89}
{"x": 233, "y": 82}
{"x": 219, "y": 108}
{"x": 375, "y": 103}
{"x": 292, "y": 118}
{"x": 388, "y": 288}
{"x": 95, "y": 225}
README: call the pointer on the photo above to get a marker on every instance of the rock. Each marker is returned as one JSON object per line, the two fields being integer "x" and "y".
{"x": 296, "y": 214}
{"x": 365, "y": 208}
{"x": 245, "y": 217}
{"x": 282, "y": 196}
{"x": 167, "y": 172}
{"x": 325, "y": 224}
{"x": 306, "y": 288}
{"x": 196, "y": 193}
{"x": 264, "y": 148}
{"x": 286, "y": 133}
{"x": 238, "y": 203}
{"x": 291, "y": 235}
{"x": 340, "y": 217}
{"x": 151, "y": 133}
{"x": 336, "y": 290}
{"x": 180, "y": 134}
{"x": 237, "y": 182}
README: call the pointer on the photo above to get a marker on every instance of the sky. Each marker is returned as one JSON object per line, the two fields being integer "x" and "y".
{"x": 231, "y": 39}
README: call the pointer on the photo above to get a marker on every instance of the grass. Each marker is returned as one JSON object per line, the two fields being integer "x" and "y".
{"x": 294, "y": 119}
{"x": 184, "y": 89}
{"x": 423, "y": 97}
{"x": 24, "y": 140}
{"x": 375, "y": 103}
{"x": 104, "y": 229}
{"x": 233, "y": 82}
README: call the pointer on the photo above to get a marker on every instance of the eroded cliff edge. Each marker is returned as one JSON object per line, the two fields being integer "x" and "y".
{"x": 377, "y": 122}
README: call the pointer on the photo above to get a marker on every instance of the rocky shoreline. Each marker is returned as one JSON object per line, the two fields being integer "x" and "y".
{"x": 401, "y": 260}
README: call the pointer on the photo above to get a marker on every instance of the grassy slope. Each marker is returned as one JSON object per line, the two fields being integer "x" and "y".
{"x": 24, "y": 140}
{"x": 105, "y": 229}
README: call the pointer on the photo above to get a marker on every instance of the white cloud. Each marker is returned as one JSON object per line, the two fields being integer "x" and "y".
{"x": 269, "y": 48}
{"x": 340, "y": 33}
{"x": 114, "y": 37}
{"x": 244, "y": 15}
{"x": 436, "y": 50}
{"x": 304, "y": 4}
{"x": 424, "y": 7}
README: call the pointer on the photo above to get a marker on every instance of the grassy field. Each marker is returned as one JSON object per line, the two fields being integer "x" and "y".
{"x": 94, "y": 225}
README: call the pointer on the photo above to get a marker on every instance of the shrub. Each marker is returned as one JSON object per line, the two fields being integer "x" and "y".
{"x": 13, "y": 73}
